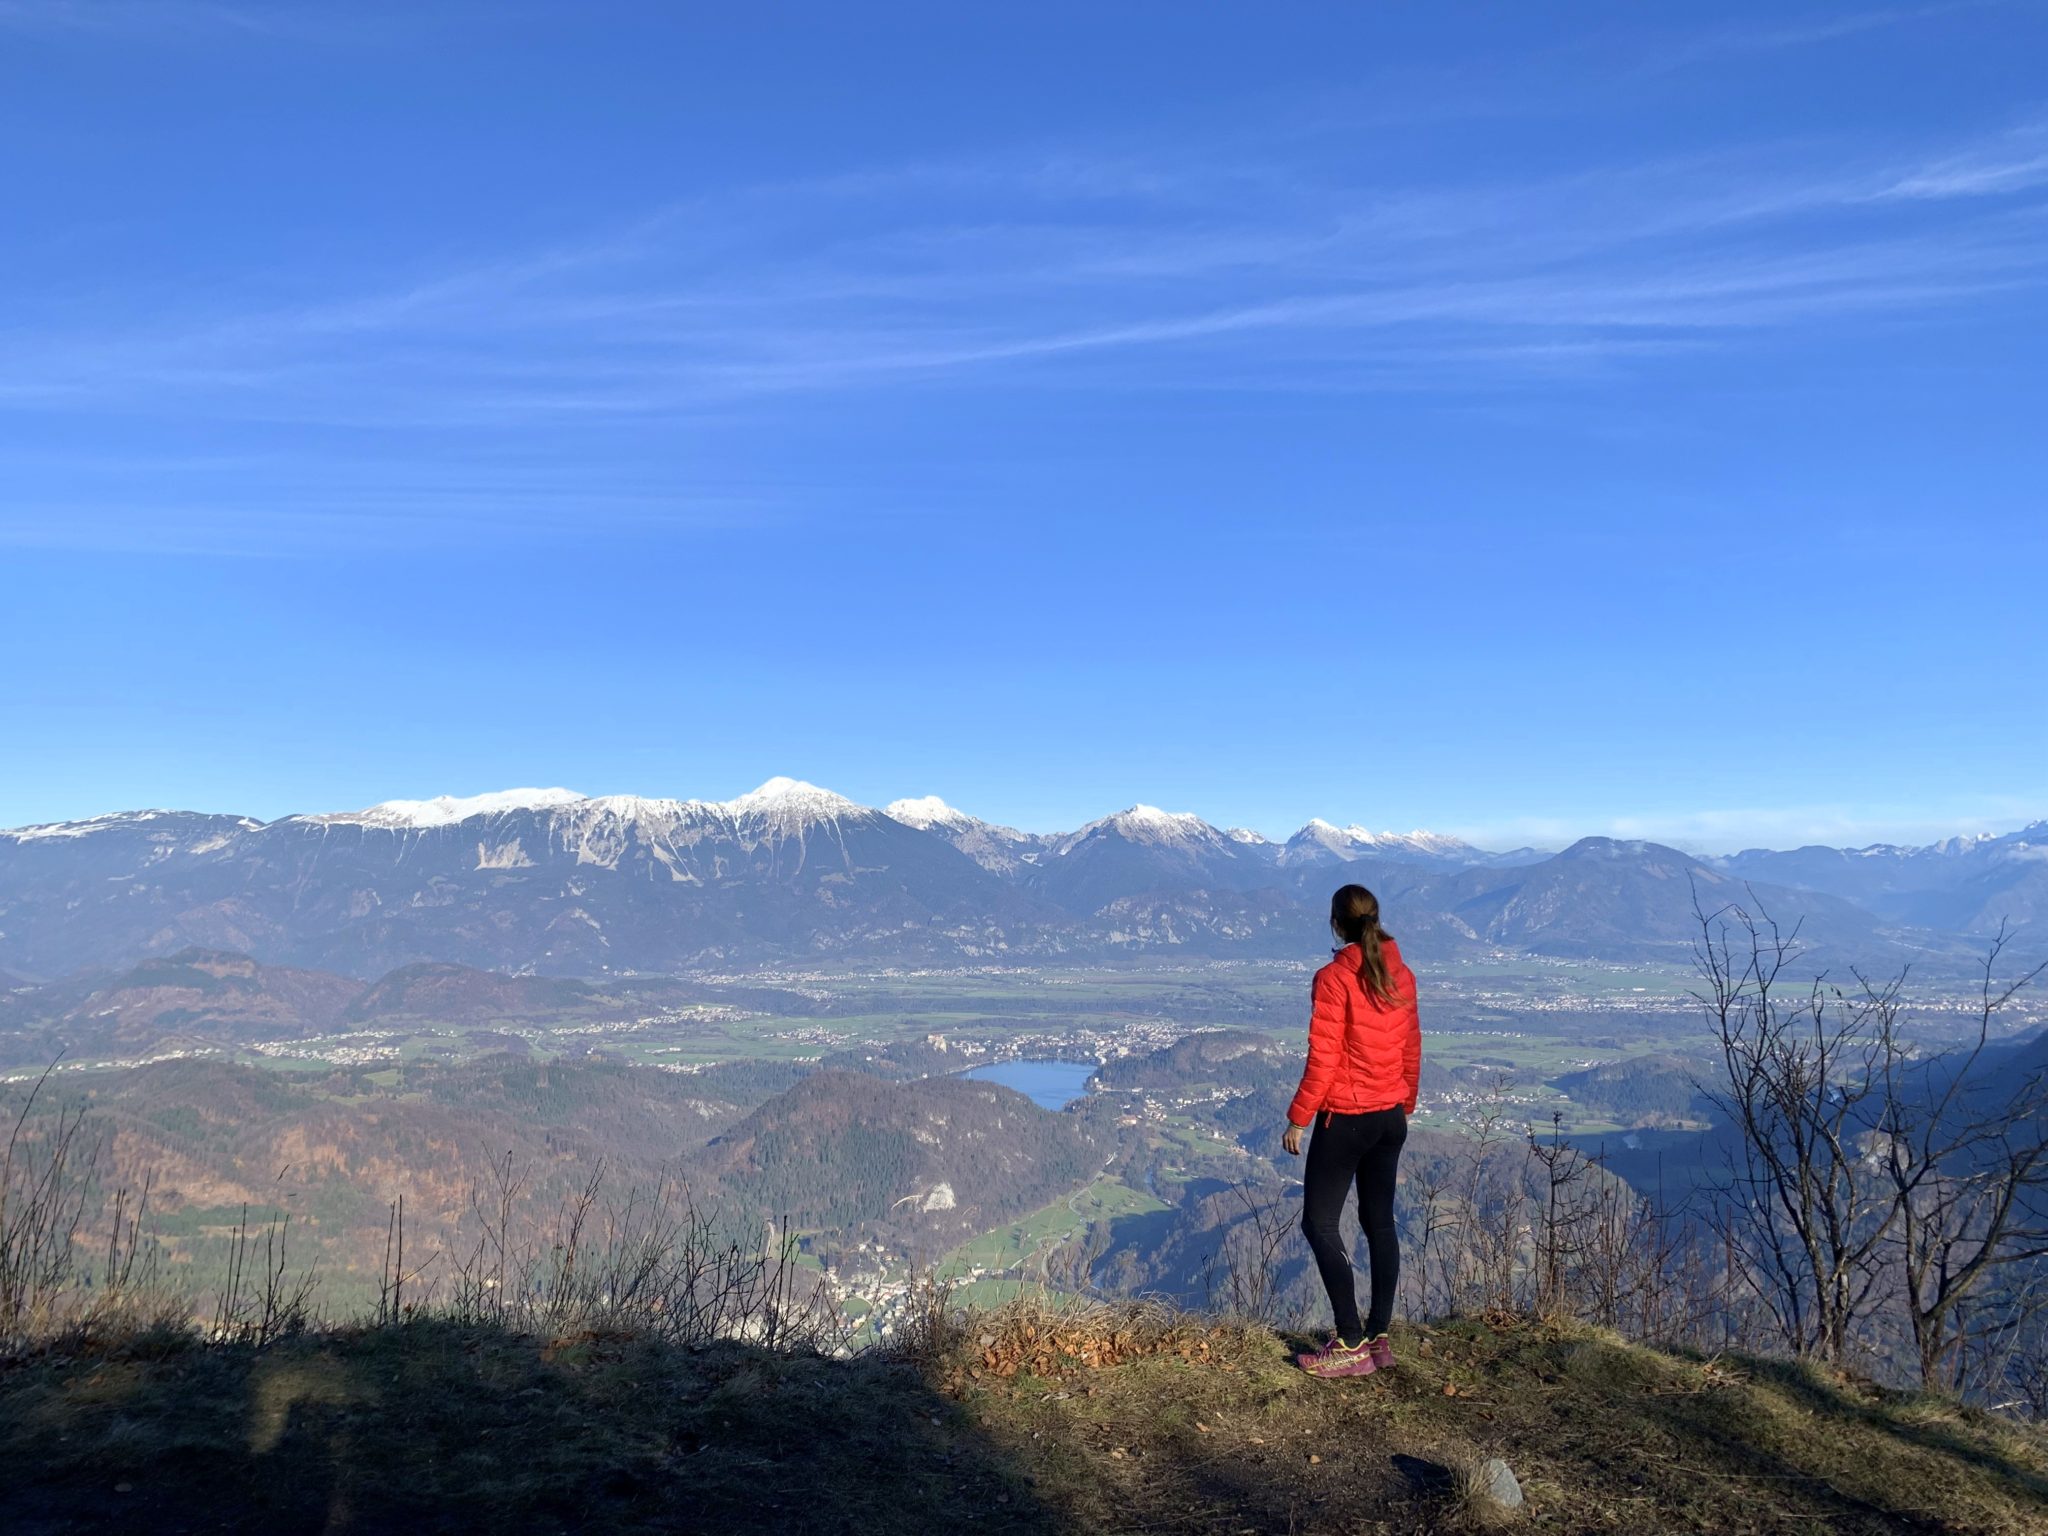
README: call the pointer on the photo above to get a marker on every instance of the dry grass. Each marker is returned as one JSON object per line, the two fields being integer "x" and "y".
{"x": 1476, "y": 1505}
{"x": 1037, "y": 1417}
{"x": 1188, "y": 1426}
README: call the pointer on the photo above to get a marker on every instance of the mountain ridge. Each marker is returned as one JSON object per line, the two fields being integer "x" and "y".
{"x": 560, "y": 884}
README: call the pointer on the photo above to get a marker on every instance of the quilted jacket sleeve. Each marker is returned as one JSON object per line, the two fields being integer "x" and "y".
{"x": 1325, "y": 1047}
{"x": 1411, "y": 1049}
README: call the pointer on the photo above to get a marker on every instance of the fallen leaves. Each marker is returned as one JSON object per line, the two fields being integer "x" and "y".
{"x": 1062, "y": 1346}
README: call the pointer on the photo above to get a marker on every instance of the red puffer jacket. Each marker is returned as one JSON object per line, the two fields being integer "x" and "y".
{"x": 1362, "y": 1054}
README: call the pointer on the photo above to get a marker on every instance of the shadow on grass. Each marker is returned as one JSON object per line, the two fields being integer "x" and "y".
{"x": 437, "y": 1427}
{"x": 1638, "y": 1440}
{"x": 1839, "y": 1463}
{"x": 1891, "y": 1413}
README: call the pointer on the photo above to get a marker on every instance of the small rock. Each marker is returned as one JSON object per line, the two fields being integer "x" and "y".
{"x": 1494, "y": 1483}
{"x": 1313, "y": 1458}
{"x": 124, "y": 1487}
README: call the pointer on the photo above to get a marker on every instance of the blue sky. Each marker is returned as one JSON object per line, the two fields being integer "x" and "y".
{"x": 1517, "y": 420}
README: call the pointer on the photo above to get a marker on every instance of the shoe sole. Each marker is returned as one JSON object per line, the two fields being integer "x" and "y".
{"x": 1341, "y": 1372}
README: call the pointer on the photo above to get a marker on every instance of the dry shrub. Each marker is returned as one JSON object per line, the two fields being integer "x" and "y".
{"x": 75, "y": 1256}
{"x": 932, "y": 1325}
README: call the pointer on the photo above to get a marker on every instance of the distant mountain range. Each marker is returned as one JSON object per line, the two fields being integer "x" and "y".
{"x": 1969, "y": 884}
{"x": 550, "y": 882}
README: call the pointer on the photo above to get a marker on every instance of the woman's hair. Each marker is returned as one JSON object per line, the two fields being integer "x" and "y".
{"x": 1355, "y": 919}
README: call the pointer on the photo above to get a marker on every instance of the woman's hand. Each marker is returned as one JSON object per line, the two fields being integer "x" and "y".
{"x": 1292, "y": 1140}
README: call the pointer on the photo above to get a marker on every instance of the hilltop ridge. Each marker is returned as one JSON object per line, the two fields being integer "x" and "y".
{"x": 1026, "y": 1420}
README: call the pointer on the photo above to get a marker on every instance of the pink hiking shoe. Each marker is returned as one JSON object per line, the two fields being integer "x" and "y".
{"x": 1337, "y": 1359}
{"x": 1382, "y": 1351}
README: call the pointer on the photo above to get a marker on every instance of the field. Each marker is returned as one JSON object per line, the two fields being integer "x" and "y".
{"x": 1014, "y": 1250}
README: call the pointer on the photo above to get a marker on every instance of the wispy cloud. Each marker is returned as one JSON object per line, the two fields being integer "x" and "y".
{"x": 1010, "y": 271}
{"x": 1240, "y": 265}
{"x": 2013, "y": 162}
{"x": 1733, "y": 42}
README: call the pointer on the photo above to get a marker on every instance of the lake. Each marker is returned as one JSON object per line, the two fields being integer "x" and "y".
{"x": 1048, "y": 1084}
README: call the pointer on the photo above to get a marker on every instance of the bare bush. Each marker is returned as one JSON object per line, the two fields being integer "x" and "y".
{"x": 1967, "y": 1164}
{"x": 262, "y": 1300}
{"x": 52, "y": 1205}
{"x": 1801, "y": 1208}
{"x": 932, "y": 1324}
{"x": 647, "y": 1261}
{"x": 1243, "y": 1274}
{"x": 1875, "y": 1186}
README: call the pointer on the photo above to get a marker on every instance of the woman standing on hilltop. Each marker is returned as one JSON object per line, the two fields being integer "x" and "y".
{"x": 1364, "y": 1062}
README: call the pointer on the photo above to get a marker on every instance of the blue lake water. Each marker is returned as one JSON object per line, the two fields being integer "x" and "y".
{"x": 1048, "y": 1084}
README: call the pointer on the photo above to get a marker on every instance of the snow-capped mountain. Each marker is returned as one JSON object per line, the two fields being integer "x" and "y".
{"x": 552, "y": 881}
{"x": 993, "y": 847}
{"x": 782, "y": 807}
{"x": 446, "y": 810}
{"x": 1322, "y": 842}
{"x": 929, "y": 811}
{"x": 512, "y": 881}
{"x": 1148, "y": 826}
{"x": 1962, "y": 883}
{"x": 1142, "y": 851}
{"x": 160, "y": 828}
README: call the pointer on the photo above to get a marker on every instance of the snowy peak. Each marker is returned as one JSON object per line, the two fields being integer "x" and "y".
{"x": 995, "y": 848}
{"x": 164, "y": 822}
{"x": 1149, "y": 825}
{"x": 447, "y": 810}
{"x": 1440, "y": 844}
{"x": 782, "y": 805}
{"x": 927, "y": 812}
{"x": 1248, "y": 837}
{"x": 1143, "y": 823}
{"x": 790, "y": 805}
{"x": 85, "y": 828}
{"x": 1330, "y": 833}
{"x": 1323, "y": 842}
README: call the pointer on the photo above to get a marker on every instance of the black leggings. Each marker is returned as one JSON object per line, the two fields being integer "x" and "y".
{"x": 1368, "y": 1148}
